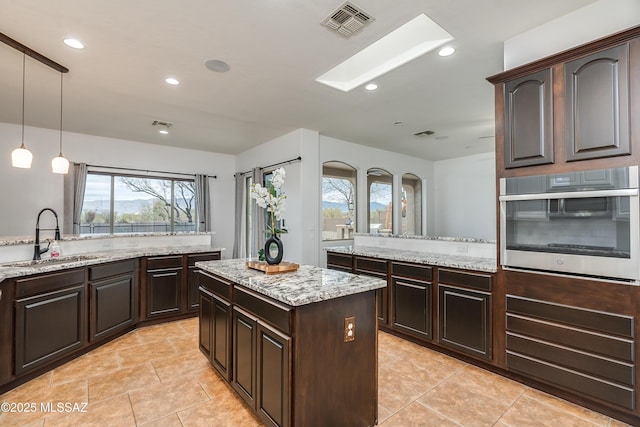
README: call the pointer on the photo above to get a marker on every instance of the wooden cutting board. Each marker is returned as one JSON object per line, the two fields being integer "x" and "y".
{"x": 283, "y": 267}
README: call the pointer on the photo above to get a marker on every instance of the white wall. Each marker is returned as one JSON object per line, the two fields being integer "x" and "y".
{"x": 465, "y": 197}
{"x": 589, "y": 23}
{"x": 25, "y": 191}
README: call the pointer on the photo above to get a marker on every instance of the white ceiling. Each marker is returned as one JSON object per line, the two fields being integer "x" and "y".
{"x": 276, "y": 49}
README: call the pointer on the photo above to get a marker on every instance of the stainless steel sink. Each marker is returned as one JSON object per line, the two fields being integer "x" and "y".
{"x": 52, "y": 261}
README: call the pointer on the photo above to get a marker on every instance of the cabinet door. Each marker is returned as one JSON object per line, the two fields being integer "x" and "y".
{"x": 6, "y": 330}
{"x": 205, "y": 322}
{"x": 597, "y": 105}
{"x": 465, "y": 320}
{"x": 274, "y": 373}
{"x": 193, "y": 277}
{"x": 412, "y": 307}
{"x": 164, "y": 288}
{"x": 221, "y": 336}
{"x": 528, "y": 111}
{"x": 49, "y": 326}
{"x": 112, "y": 306}
{"x": 244, "y": 356}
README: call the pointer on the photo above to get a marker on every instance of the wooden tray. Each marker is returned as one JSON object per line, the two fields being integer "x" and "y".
{"x": 283, "y": 267}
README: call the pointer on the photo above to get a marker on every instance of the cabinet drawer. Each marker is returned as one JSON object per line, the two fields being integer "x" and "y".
{"x": 341, "y": 260}
{"x": 50, "y": 282}
{"x": 112, "y": 269}
{"x": 481, "y": 282}
{"x": 156, "y": 263}
{"x": 277, "y": 314}
{"x": 370, "y": 264}
{"x": 412, "y": 271}
{"x": 209, "y": 256}
{"x": 215, "y": 285}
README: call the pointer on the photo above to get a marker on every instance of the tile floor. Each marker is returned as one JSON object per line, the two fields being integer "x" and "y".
{"x": 156, "y": 376}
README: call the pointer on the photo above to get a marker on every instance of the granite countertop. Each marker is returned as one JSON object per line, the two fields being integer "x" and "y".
{"x": 307, "y": 285}
{"x": 438, "y": 238}
{"x": 488, "y": 265}
{"x": 26, "y": 268}
{"x": 29, "y": 240}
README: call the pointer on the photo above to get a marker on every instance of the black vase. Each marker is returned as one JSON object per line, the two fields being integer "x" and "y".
{"x": 273, "y": 244}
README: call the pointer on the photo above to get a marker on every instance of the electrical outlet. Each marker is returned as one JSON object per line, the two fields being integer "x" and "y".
{"x": 349, "y": 329}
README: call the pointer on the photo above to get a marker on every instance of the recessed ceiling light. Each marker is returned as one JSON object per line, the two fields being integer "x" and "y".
{"x": 217, "y": 65}
{"x": 74, "y": 43}
{"x": 164, "y": 132}
{"x": 172, "y": 81}
{"x": 371, "y": 86}
{"x": 446, "y": 51}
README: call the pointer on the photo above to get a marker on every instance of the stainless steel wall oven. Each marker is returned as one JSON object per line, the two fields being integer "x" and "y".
{"x": 583, "y": 223}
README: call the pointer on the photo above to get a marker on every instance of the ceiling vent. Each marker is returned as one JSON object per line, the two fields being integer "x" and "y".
{"x": 347, "y": 19}
{"x": 424, "y": 133}
{"x": 161, "y": 123}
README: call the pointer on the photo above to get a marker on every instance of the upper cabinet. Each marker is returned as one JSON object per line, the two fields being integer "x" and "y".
{"x": 597, "y": 105}
{"x": 528, "y": 124}
{"x": 572, "y": 106}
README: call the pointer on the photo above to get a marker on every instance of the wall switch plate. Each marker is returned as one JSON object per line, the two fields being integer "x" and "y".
{"x": 349, "y": 329}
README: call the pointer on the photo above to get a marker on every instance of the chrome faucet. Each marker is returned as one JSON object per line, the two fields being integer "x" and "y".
{"x": 36, "y": 249}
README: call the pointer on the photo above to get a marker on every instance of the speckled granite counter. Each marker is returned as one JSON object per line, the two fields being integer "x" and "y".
{"x": 26, "y": 268}
{"x": 443, "y": 260}
{"x": 307, "y": 285}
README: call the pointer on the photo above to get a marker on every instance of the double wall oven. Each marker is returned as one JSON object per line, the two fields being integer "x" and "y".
{"x": 583, "y": 223}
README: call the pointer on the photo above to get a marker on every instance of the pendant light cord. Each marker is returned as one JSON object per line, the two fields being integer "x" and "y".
{"x": 61, "y": 80}
{"x": 24, "y": 57}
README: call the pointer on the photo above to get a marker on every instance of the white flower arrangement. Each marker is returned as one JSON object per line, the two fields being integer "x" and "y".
{"x": 272, "y": 198}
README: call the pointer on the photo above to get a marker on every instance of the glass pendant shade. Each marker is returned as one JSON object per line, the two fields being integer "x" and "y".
{"x": 60, "y": 164}
{"x": 21, "y": 157}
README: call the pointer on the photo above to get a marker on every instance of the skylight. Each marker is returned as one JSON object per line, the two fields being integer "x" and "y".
{"x": 411, "y": 40}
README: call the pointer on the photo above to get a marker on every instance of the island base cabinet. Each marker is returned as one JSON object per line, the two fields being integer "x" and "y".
{"x": 273, "y": 373}
{"x": 49, "y": 326}
{"x": 244, "y": 356}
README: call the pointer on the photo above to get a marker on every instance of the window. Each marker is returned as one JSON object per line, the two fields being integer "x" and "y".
{"x": 338, "y": 201}
{"x": 132, "y": 204}
{"x": 380, "y": 184}
{"x": 411, "y": 208}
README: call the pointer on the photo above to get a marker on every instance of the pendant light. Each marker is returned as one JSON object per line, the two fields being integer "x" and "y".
{"x": 21, "y": 157}
{"x": 60, "y": 164}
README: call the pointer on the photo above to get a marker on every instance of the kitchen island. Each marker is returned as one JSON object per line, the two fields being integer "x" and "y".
{"x": 299, "y": 348}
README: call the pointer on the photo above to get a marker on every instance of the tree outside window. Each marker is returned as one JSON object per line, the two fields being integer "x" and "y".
{"x": 338, "y": 201}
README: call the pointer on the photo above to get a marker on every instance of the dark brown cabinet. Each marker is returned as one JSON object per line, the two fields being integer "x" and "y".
{"x": 193, "y": 277}
{"x": 215, "y": 322}
{"x": 375, "y": 268}
{"x": 464, "y": 307}
{"x": 340, "y": 262}
{"x": 113, "y": 296}
{"x": 244, "y": 356}
{"x": 597, "y": 105}
{"x": 163, "y": 286}
{"x": 50, "y": 318}
{"x": 273, "y": 374}
{"x": 411, "y": 287}
{"x": 528, "y": 120}
{"x": 6, "y": 330}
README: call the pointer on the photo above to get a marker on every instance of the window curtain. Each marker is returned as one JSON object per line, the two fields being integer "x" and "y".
{"x": 257, "y": 218}
{"x": 203, "y": 202}
{"x": 240, "y": 232}
{"x": 75, "y": 183}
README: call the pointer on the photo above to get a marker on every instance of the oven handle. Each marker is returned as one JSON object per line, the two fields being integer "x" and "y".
{"x": 633, "y": 192}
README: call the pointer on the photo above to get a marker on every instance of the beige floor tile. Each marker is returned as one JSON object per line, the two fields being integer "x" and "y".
{"x": 167, "y": 398}
{"x": 180, "y": 364}
{"x": 219, "y": 413}
{"x": 130, "y": 339}
{"x": 122, "y": 381}
{"x": 396, "y": 389}
{"x": 489, "y": 384}
{"x": 456, "y": 402}
{"x": 168, "y": 421}
{"x": 88, "y": 365}
{"x": 528, "y": 412}
{"x": 563, "y": 405}
{"x": 115, "y": 411}
{"x": 146, "y": 353}
{"x": 616, "y": 423}
{"x": 383, "y": 413}
{"x": 416, "y": 415}
{"x": 151, "y": 334}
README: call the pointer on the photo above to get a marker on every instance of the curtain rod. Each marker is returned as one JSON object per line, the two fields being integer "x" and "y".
{"x": 148, "y": 171}
{"x": 286, "y": 162}
{"x": 32, "y": 53}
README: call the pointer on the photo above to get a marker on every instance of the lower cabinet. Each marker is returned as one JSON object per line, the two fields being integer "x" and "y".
{"x": 244, "y": 356}
{"x": 411, "y": 298}
{"x": 163, "y": 286}
{"x": 112, "y": 298}
{"x": 272, "y": 376}
{"x": 464, "y": 307}
{"x": 50, "y": 318}
{"x": 215, "y": 322}
{"x": 375, "y": 268}
{"x": 193, "y": 277}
